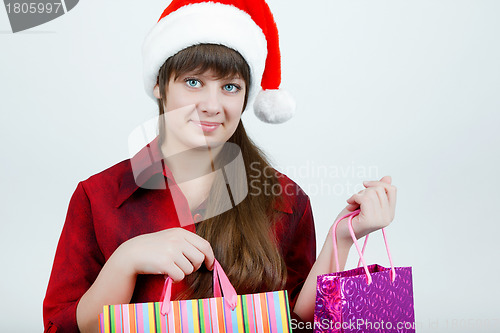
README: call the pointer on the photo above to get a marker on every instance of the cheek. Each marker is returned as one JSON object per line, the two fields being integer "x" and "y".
{"x": 169, "y": 117}
{"x": 176, "y": 101}
{"x": 177, "y": 97}
{"x": 176, "y": 119}
{"x": 235, "y": 109}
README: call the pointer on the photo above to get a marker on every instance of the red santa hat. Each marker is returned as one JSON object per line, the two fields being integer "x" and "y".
{"x": 246, "y": 26}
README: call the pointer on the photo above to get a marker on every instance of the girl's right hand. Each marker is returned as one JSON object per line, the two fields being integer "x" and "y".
{"x": 175, "y": 252}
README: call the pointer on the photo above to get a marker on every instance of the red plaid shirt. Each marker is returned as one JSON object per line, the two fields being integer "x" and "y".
{"x": 110, "y": 207}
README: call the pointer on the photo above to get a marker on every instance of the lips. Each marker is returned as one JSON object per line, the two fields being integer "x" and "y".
{"x": 206, "y": 126}
{"x": 208, "y": 123}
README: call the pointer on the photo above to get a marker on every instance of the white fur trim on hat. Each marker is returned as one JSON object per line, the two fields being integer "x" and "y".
{"x": 274, "y": 106}
{"x": 206, "y": 22}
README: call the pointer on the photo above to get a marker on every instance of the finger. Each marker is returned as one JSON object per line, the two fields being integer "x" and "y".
{"x": 382, "y": 197}
{"x": 203, "y": 246}
{"x": 184, "y": 263}
{"x": 391, "y": 190}
{"x": 175, "y": 273}
{"x": 362, "y": 200}
{"x": 374, "y": 183}
{"x": 368, "y": 201}
{"x": 386, "y": 179}
{"x": 195, "y": 256}
{"x": 352, "y": 207}
{"x": 351, "y": 200}
{"x": 391, "y": 195}
{"x": 355, "y": 199}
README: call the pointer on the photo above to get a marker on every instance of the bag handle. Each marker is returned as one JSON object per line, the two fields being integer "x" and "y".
{"x": 360, "y": 252}
{"x": 334, "y": 236}
{"x": 220, "y": 281}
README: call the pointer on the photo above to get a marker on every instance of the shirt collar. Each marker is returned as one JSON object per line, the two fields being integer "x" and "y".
{"x": 149, "y": 162}
{"x": 143, "y": 166}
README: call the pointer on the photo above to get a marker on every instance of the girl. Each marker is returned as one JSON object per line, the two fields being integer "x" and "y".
{"x": 200, "y": 189}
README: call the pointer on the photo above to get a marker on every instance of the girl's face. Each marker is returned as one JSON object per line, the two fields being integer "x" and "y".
{"x": 201, "y": 110}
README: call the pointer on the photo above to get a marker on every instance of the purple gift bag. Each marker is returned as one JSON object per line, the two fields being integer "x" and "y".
{"x": 365, "y": 299}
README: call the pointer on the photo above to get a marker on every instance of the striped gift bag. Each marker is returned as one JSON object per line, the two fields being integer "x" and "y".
{"x": 226, "y": 312}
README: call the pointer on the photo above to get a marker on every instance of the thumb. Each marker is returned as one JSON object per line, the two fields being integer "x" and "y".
{"x": 386, "y": 179}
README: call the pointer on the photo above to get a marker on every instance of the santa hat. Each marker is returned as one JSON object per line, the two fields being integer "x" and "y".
{"x": 246, "y": 26}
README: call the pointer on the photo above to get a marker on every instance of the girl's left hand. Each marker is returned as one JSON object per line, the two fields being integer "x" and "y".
{"x": 377, "y": 204}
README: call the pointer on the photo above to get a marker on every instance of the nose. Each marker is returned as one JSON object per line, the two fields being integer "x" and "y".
{"x": 210, "y": 103}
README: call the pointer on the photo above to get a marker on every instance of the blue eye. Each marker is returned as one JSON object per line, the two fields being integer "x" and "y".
{"x": 231, "y": 88}
{"x": 194, "y": 83}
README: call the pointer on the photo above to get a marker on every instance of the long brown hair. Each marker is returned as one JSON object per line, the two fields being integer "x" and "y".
{"x": 242, "y": 237}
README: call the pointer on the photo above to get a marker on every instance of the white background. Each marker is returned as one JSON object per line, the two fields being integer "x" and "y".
{"x": 402, "y": 88}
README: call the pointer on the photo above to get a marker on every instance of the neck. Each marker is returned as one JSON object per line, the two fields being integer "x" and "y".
{"x": 190, "y": 164}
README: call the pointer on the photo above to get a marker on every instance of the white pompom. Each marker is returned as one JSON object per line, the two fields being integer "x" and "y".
{"x": 274, "y": 106}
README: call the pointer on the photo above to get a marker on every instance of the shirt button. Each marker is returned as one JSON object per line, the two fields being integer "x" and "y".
{"x": 197, "y": 218}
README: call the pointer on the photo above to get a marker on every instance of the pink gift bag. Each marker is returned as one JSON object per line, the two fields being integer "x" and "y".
{"x": 365, "y": 299}
{"x": 226, "y": 312}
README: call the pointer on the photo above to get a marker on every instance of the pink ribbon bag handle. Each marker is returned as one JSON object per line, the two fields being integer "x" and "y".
{"x": 222, "y": 287}
{"x": 360, "y": 252}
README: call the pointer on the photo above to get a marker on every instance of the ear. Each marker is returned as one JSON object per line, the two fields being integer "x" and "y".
{"x": 156, "y": 91}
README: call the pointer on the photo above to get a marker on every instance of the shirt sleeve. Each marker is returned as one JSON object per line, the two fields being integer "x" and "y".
{"x": 78, "y": 261}
{"x": 300, "y": 257}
